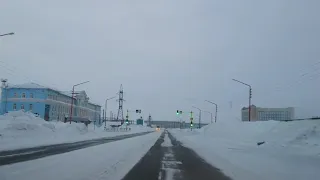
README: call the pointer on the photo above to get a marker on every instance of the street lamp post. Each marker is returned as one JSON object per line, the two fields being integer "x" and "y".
{"x": 199, "y": 115}
{"x": 72, "y": 98}
{"x": 215, "y": 116}
{"x": 250, "y": 95}
{"x": 7, "y": 34}
{"x": 210, "y": 114}
{"x": 105, "y": 107}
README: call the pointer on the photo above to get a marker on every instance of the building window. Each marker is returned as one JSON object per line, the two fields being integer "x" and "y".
{"x": 23, "y": 95}
{"x": 30, "y": 107}
{"x": 14, "y": 106}
{"x": 22, "y": 106}
{"x": 31, "y": 95}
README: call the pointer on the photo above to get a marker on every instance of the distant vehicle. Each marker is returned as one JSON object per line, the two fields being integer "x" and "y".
{"x": 158, "y": 128}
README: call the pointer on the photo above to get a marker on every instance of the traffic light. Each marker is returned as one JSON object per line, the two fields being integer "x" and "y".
{"x": 127, "y": 119}
{"x": 250, "y": 93}
{"x": 137, "y": 111}
{"x": 191, "y": 120}
{"x": 177, "y": 112}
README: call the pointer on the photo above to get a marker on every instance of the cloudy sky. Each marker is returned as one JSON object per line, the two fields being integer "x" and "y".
{"x": 168, "y": 54}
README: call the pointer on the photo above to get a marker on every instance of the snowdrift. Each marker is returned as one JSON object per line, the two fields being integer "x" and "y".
{"x": 20, "y": 129}
{"x": 306, "y": 132}
{"x": 291, "y": 150}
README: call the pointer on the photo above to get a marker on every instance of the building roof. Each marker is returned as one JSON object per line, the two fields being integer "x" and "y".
{"x": 28, "y": 86}
{"x": 31, "y": 85}
{"x": 96, "y": 104}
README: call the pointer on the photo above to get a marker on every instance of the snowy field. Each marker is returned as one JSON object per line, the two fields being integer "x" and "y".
{"x": 291, "y": 149}
{"x": 107, "y": 161}
{"x": 22, "y": 130}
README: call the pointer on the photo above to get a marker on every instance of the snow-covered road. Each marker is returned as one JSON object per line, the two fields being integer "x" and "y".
{"x": 107, "y": 161}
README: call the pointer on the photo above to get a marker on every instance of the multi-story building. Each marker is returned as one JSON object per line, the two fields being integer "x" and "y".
{"x": 48, "y": 103}
{"x": 264, "y": 114}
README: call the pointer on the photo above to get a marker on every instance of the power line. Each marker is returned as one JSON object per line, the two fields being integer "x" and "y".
{"x": 11, "y": 71}
{"x": 302, "y": 76}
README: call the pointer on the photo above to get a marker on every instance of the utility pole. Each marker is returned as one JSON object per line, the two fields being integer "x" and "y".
{"x": 199, "y": 115}
{"x": 103, "y": 113}
{"x": 105, "y": 107}
{"x": 210, "y": 114}
{"x": 4, "y": 86}
{"x": 215, "y": 117}
{"x": 72, "y": 98}
{"x": 250, "y": 95}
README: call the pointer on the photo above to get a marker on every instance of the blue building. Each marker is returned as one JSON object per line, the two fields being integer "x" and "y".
{"x": 48, "y": 103}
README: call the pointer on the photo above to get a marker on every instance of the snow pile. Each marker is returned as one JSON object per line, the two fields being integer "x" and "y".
{"x": 274, "y": 133}
{"x": 288, "y": 150}
{"x": 110, "y": 161}
{"x": 17, "y": 124}
{"x": 20, "y": 129}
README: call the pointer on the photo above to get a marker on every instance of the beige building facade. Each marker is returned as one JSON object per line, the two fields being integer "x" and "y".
{"x": 265, "y": 114}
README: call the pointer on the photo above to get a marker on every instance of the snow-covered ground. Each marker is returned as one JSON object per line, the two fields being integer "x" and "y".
{"x": 107, "y": 161}
{"x": 291, "y": 149}
{"x": 20, "y": 130}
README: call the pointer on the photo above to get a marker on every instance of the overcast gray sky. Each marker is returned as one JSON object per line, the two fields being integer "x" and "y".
{"x": 168, "y": 54}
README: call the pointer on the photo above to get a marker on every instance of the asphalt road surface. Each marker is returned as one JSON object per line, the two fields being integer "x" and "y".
{"x": 26, "y": 154}
{"x": 168, "y": 159}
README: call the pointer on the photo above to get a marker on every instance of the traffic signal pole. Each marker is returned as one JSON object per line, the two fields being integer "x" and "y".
{"x": 199, "y": 115}
{"x": 191, "y": 120}
{"x": 250, "y": 96}
{"x": 127, "y": 118}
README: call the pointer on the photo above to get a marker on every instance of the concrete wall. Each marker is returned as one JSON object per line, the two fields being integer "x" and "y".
{"x": 175, "y": 124}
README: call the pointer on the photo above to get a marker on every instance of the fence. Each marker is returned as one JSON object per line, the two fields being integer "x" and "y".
{"x": 117, "y": 129}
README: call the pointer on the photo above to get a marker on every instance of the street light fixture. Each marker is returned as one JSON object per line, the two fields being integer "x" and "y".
{"x": 209, "y": 113}
{"x": 72, "y": 98}
{"x": 215, "y": 117}
{"x": 105, "y": 107}
{"x": 250, "y": 95}
{"x": 199, "y": 115}
{"x": 7, "y": 34}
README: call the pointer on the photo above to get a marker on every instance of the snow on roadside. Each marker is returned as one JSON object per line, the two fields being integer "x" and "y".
{"x": 291, "y": 149}
{"x": 107, "y": 161}
{"x": 23, "y": 129}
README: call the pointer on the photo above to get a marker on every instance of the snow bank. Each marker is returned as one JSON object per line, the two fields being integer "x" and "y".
{"x": 110, "y": 161}
{"x": 20, "y": 129}
{"x": 291, "y": 149}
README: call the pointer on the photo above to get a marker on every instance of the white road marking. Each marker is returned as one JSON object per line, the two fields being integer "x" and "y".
{"x": 169, "y": 164}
